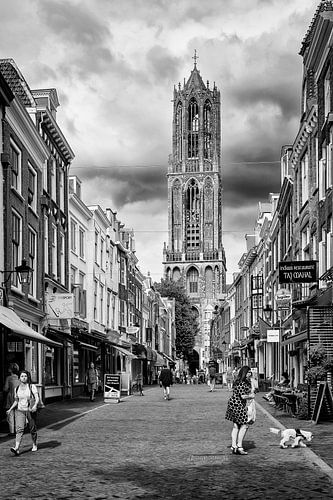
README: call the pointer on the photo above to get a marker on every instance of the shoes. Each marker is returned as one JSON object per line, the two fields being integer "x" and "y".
{"x": 164, "y": 397}
{"x": 241, "y": 451}
{"x": 265, "y": 398}
{"x": 15, "y": 451}
{"x": 34, "y": 447}
{"x": 234, "y": 450}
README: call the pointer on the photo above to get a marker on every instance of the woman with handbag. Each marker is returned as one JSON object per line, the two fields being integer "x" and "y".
{"x": 237, "y": 410}
{"x": 25, "y": 406}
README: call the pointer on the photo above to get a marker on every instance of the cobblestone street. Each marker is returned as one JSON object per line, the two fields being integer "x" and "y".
{"x": 149, "y": 448}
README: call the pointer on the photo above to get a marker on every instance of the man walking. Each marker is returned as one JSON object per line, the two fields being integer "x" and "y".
{"x": 92, "y": 380}
{"x": 166, "y": 381}
{"x": 212, "y": 374}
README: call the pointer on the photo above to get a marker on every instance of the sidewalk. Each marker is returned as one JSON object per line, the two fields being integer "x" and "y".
{"x": 322, "y": 443}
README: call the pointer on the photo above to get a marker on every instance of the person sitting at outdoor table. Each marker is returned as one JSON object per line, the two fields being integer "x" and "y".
{"x": 284, "y": 382}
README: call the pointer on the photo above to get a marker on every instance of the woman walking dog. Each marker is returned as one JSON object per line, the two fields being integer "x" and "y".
{"x": 25, "y": 406}
{"x": 237, "y": 410}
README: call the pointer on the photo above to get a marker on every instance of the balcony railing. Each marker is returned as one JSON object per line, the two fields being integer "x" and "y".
{"x": 211, "y": 255}
{"x": 192, "y": 256}
{"x": 173, "y": 256}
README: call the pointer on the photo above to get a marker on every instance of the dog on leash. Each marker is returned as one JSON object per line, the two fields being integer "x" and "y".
{"x": 297, "y": 435}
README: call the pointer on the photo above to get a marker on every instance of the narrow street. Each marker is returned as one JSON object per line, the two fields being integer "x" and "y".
{"x": 146, "y": 447}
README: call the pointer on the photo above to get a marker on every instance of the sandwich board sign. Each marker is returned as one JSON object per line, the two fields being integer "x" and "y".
{"x": 112, "y": 388}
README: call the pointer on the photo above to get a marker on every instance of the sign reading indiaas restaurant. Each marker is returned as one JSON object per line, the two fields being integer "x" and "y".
{"x": 301, "y": 271}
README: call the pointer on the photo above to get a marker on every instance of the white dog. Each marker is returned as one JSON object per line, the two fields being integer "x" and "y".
{"x": 298, "y": 436}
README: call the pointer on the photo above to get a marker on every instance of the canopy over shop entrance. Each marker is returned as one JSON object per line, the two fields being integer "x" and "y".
{"x": 12, "y": 321}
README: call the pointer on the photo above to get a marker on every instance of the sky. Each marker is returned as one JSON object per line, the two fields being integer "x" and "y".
{"x": 114, "y": 64}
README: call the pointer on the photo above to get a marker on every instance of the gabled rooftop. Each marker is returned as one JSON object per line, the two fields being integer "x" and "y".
{"x": 16, "y": 82}
{"x": 324, "y": 6}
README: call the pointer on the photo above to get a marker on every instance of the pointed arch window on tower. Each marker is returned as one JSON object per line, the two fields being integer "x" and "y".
{"x": 179, "y": 136}
{"x": 193, "y": 129}
{"x": 192, "y": 280}
{"x": 192, "y": 216}
{"x": 207, "y": 112}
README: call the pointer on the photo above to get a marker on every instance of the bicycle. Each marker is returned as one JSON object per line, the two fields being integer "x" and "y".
{"x": 136, "y": 387}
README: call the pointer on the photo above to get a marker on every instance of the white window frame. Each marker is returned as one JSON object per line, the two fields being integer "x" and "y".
{"x": 33, "y": 261}
{"x": 18, "y": 184}
{"x": 327, "y": 92}
{"x": 33, "y": 173}
{"x": 54, "y": 250}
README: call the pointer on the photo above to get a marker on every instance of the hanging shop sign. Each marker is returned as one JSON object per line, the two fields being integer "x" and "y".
{"x": 283, "y": 299}
{"x": 302, "y": 271}
{"x": 60, "y": 305}
{"x": 112, "y": 388}
{"x": 273, "y": 335}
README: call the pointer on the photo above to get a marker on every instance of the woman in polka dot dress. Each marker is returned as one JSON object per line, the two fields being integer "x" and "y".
{"x": 237, "y": 409}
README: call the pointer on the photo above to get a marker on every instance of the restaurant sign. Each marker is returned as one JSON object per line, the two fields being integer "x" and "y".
{"x": 301, "y": 271}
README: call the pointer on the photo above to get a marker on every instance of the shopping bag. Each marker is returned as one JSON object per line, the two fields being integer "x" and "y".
{"x": 251, "y": 412}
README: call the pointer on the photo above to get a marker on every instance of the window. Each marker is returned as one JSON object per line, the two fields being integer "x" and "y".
{"x": 305, "y": 242}
{"x": 54, "y": 251}
{"x": 192, "y": 280}
{"x": 322, "y": 253}
{"x": 73, "y": 235}
{"x": 327, "y": 92}
{"x": 207, "y": 131}
{"x": 46, "y": 245}
{"x": 304, "y": 89}
{"x": 95, "y": 300}
{"x": 179, "y": 133}
{"x": 81, "y": 243}
{"x": 96, "y": 247}
{"x": 52, "y": 366}
{"x": 101, "y": 299}
{"x": 193, "y": 129}
{"x": 32, "y": 260}
{"x": 32, "y": 188}
{"x": 102, "y": 253}
{"x": 304, "y": 179}
{"x": 15, "y": 160}
{"x": 62, "y": 194}
{"x": 53, "y": 172}
{"x": 62, "y": 258}
{"x": 16, "y": 245}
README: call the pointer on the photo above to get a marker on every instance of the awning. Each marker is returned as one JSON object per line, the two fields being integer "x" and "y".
{"x": 12, "y": 321}
{"x": 88, "y": 346}
{"x": 160, "y": 361}
{"x": 167, "y": 357}
{"x": 299, "y": 337}
{"x": 124, "y": 351}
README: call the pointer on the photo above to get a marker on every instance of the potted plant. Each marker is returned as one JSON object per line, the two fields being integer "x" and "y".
{"x": 320, "y": 364}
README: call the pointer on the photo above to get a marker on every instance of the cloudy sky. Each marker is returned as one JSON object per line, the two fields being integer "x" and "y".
{"x": 114, "y": 64}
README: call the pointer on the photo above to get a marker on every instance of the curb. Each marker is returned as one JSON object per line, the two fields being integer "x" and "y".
{"x": 310, "y": 455}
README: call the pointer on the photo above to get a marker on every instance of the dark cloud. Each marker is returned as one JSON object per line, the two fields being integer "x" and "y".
{"x": 246, "y": 184}
{"x": 85, "y": 37}
{"x": 125, "y": 185}
{"x": 162, "y": 64}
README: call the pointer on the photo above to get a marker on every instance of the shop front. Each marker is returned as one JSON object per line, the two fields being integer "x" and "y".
{"x": 23, "y": 344}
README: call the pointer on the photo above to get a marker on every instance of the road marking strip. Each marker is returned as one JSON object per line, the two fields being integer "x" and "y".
{"x": 311, "y": 456}
{"x": 60, "y": 422}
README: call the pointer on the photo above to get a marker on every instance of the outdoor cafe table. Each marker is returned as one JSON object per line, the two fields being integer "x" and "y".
{"x": 293, "y": 398}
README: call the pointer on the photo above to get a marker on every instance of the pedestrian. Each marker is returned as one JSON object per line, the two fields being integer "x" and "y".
{"x": 25, "y": 406}
{"x": 230, "y": 379}
{"x": 166, "y": 381}
{"x": 139, "y": 383}
{"x": 237, "y": 409}
{"x": 11, "y": 382}
{"x": 212, "y": 374}
{"x": 92, "y": 380}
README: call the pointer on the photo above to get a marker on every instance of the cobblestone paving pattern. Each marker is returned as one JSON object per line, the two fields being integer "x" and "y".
{"x": 149, "y": 448}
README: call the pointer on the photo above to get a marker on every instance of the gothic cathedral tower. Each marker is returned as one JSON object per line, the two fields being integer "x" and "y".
{"x": 195, "y": 252}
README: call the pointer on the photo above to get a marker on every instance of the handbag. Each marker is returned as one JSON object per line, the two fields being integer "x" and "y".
{"x": 251, "y": 412}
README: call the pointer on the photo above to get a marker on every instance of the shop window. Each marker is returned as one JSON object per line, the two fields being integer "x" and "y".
{"x": 78, "y": 367}
{"x": 52, "y": 366}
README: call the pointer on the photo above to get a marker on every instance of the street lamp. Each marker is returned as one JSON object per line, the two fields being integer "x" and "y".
{"x": 24, "y": 273}
{"x": 267, "y": 310}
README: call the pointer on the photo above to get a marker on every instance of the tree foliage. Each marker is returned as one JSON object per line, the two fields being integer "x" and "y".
{"x": 185, "y": 317}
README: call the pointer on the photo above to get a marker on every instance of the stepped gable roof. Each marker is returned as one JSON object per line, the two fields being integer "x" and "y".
{"x": 195, "y": 81}
{"x": 324, "y": 6}
{"x": 16, "y": 82}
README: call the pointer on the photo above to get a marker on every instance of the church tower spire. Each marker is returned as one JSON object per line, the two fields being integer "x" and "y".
{"x": 195, "y": 251}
